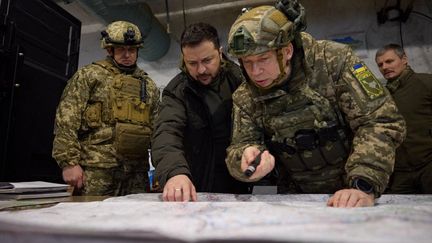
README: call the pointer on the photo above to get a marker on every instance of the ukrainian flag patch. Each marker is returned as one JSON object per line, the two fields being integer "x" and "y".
{"x": 367, "y": 80}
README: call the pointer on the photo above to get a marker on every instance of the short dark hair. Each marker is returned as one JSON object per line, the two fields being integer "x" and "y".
{"x": 395, "y": 47}
{"x": 196, "y": 33}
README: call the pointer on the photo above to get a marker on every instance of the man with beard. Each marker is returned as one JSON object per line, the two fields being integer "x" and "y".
{"x": 194, "y": 125}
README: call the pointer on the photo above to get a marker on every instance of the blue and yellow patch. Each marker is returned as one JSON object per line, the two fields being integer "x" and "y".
{"x": 367, "y": 80}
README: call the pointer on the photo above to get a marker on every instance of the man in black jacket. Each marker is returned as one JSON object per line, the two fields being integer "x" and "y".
{"x": 194, "y": 126}
{"x": 412, "y": 93}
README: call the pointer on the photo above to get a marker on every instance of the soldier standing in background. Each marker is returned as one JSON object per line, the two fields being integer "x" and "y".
{"x": 412, "y": 93}
{"x": 104, "y": 120}
{"x": 311, "y": 108}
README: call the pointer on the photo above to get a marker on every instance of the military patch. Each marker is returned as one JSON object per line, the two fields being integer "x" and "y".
{"x": 368, "y": 82}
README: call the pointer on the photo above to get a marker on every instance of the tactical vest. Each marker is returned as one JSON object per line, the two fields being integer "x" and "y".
{"x": 126, "y": 112}
{"x": 306, "y": 134}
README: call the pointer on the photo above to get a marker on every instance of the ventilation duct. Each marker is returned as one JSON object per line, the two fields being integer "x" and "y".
{"x": 156, "y": 39}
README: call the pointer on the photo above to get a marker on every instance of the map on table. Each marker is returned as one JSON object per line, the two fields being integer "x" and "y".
{"x": 395, "y": 218}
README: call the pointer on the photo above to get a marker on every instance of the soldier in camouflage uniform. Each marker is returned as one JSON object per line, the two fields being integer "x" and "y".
{"x": 104, "y": 120}
{"x": 314, "y": 113}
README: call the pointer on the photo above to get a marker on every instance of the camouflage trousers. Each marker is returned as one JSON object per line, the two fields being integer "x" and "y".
{"x": 113, "y": 181}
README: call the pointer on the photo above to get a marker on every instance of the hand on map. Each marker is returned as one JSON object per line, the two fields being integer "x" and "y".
{"x": 348, "y": 198}
{"x": 266, "y": 164}
{"x": 179, "y": 188}
{"x": 74, "y": 176}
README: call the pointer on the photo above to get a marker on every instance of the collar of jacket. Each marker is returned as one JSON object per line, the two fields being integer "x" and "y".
{"x": 393, "y": 84}
{"x": 123, "y": 69}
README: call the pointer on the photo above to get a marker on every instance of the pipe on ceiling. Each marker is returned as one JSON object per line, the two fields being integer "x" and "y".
{"x": 156, "y": 39}
{"x": 239, "y": 4}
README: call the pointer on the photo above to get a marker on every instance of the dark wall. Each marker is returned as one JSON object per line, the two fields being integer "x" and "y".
{"x": 39, "y": 48}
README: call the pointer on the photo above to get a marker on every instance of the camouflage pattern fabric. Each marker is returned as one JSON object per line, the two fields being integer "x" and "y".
{"x": 84, "y": 125}
{"x": 121, "y": 33}
{"x": 259, "y": 30}
{"x": 114, "y": 181}
{"x": 377, "y": 126}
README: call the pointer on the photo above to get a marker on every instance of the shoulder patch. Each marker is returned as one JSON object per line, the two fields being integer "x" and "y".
{"x": 368, "y": 81}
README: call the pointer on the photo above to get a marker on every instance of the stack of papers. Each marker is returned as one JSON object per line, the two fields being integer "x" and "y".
{"x": 34, "y": 190}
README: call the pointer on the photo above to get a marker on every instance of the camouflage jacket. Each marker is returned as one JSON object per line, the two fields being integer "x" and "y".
{"x": 329, "y": 69}
{"x": 86, "y": 138}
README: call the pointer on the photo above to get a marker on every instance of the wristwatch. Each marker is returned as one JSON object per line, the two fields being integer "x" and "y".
{"x": 362, "y": 185}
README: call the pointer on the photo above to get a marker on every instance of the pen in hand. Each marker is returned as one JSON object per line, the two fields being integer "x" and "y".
{"x": 252, "y": 167}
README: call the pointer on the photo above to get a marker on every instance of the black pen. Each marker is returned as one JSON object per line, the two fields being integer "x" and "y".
{"x": 252, "y": 167}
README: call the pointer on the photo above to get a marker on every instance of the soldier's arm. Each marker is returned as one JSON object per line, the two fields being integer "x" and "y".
{"x": 66, "y": 147}
{"x": 245, "y": 133}
{"x": 373, "y": 117}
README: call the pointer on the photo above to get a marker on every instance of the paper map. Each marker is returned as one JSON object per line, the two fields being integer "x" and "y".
{"x": 395, "y": 218}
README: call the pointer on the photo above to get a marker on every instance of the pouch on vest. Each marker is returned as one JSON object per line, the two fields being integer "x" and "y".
{"x": 287, "y": 154}
{"x": 314, "y": 150}
{"x": 92, "y": 115}
{"x": 127, "y": 104}
{"x": 97, "y": 150}
{"x": 307, "y": 133}
{"x": 98, "y": 136}
{"x": 335, "y": 152}
{"x": 132, "y": 141}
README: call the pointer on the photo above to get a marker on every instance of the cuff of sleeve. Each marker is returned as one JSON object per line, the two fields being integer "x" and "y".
{"x": 174, "y": 172}
{"x": 365, "y": 185}
{"x": 65, "y": 164}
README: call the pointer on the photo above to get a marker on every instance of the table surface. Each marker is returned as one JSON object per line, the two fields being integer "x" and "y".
{"x": 223, "y": 217}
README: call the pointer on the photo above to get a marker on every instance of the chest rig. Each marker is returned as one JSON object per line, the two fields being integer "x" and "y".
{"x": 129, "y": 100}
{"x": 125, "y": 111}
{"x": 304, "y": 131}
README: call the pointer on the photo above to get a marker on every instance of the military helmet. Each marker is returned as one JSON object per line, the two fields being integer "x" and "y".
{"x": 120, "y": 33}
{"x": 259, "y": 30}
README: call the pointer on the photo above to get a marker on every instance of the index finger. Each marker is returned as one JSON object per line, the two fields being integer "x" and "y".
{"x": 165, "y": 194}
{"x": 249, "y": 157}
{"x": 334, "y": 200}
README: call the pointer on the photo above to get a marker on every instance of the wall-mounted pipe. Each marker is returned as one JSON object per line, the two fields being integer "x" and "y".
{"x": 156, "y": 39}
{"x": 239, "y": 4}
